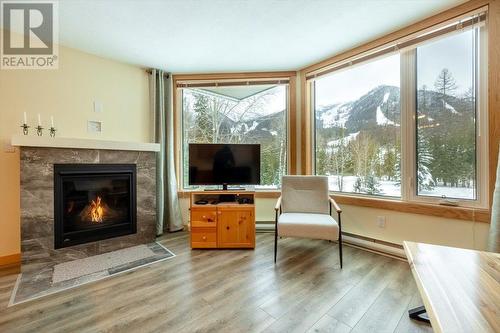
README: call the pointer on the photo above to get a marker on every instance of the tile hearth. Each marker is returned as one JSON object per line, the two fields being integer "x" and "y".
{"x": 35, "y": 284}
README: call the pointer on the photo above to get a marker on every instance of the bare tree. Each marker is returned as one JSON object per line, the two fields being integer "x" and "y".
{"x": 445, "y": 83}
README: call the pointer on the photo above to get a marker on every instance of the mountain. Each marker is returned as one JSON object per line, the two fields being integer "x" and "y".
{"x": 377, "y": 112}
{"x": 378, "y": 107}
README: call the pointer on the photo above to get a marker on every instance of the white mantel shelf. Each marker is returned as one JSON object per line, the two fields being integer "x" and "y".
{"x": 48, "y": 142}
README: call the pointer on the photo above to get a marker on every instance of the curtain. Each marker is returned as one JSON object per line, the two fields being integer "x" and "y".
{"x": 494, "y": 235}
{"x": 168, "y": 213}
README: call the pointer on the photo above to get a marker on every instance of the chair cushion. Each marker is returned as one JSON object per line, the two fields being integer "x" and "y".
{"x": 316, "y": 226}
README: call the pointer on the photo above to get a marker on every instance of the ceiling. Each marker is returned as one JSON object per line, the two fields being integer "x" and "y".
{"x": 189, "y": 36}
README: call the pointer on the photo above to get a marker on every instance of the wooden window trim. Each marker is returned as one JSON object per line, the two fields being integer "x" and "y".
{"x": 420, "y": 26}
{"x": 291, "y": 76}
{"x": 475, "y": 18}
{"x": 464, "y": 213}
{"x": 458, "y": 213}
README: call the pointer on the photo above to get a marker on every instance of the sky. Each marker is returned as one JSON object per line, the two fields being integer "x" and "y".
{"x": 453, "y": 52}
{"x": 274, "y": 101}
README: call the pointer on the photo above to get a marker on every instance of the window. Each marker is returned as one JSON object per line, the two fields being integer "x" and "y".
{"x": 446, "y": 117}
{"x": 239, "y": 114}
{"x": 406, "y": 121}
{"x": 357, "y": 128}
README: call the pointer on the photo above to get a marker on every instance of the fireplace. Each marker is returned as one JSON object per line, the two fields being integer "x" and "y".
{"x": 93, "y": 202}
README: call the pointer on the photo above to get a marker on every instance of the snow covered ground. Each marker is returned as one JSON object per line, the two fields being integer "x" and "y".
{"x": 391, "y": 188}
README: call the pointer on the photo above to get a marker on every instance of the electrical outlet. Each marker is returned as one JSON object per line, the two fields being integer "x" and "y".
{"x": 94, "y": 126}
{"x": 381, "y": 221}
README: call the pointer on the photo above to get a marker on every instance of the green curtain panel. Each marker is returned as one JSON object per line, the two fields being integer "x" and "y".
{"x": 169, "y": 218}
{"x": 494, "y": 236}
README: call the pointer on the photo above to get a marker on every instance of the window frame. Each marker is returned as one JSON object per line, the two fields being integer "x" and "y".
{"x": 408, "y": 68}
{"x": 312, "y": 107}
{"x": 408, "y": 76}
{"x": 243, "y": 78}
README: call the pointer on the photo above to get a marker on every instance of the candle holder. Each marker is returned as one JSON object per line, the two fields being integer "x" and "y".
{"x": 25, "y": 128}
{"x": 52, "y": 132}
{"x": 39, "y": 130}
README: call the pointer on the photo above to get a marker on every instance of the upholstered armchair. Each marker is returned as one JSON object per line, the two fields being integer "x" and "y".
{"x": 304, "y": 210}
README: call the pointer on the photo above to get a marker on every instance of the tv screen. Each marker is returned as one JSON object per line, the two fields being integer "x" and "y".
{"x": 218, "y": 164}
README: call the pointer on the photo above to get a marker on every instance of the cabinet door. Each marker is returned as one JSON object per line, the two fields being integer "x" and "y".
{"x": 236, "y": 227}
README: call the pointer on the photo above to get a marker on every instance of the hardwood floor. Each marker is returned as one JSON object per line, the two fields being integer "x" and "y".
{"x": 233, "y": 291}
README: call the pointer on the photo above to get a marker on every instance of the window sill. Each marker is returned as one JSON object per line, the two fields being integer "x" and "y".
{"x": 459, "y": 213}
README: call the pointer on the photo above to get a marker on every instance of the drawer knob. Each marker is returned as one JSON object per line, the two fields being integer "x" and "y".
{"x": 204, "y": 237}
{"x": 227, "y": 228}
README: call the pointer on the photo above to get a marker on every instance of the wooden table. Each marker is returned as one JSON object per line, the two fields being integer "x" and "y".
{"x": 460, "y": 288}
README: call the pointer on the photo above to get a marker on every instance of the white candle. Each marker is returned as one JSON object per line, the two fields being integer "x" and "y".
{"x": 39, "y": 120}
{"x": 25, "y": 119}
{"x": 52, "y": 121}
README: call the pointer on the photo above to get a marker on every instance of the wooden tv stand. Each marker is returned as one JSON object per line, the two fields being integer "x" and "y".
{"x": 224, "y": 222}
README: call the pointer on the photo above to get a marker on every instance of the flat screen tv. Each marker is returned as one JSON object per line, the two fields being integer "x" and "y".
{"x": 224, "y": 164}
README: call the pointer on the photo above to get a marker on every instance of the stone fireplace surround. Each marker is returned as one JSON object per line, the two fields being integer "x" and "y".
{"x": 37, "y": 197}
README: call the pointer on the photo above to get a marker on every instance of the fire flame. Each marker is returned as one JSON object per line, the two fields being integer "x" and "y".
{"x": 96, "y": 210}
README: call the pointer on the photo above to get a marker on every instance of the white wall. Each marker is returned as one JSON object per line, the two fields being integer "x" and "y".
{"x": 398, "y": 227}
{"x": 67, "y": 94}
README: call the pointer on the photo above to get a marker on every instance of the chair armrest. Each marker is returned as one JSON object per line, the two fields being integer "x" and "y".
{"x": 278, "y": 204}
{"x": 334, "y": 204}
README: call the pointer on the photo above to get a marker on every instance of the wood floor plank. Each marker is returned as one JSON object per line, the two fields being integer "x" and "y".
{"x": 386, "y": 312}
{"x": 297, "y": 287}
{"x": 320, "y": 295}
{"x": 253, "y": 291}
{"x": 328, "y": 324}
{"x": 212, "y": 291}
{"x": 406, "y": 325}
{"x": 353, "y": 306}
{"x": 6, "y": 285}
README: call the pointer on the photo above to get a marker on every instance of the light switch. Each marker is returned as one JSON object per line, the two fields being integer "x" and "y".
{"x": 97, "y": 106}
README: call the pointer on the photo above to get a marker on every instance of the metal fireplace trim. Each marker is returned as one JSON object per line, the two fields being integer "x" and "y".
{"x": 61, "y": 170}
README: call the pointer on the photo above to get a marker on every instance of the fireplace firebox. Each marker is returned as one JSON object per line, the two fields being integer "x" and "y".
{"x": 93, "y": 202}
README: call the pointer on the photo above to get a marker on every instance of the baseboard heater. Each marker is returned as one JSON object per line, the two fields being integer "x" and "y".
{"x": 362, "y": 242}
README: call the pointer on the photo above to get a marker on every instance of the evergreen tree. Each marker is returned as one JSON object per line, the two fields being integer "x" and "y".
{"x": 390, "y": 164}
{"x": 372, "y": 185}
{"x": 203, "y": 132}
{"x": 340, "y": 158}
{"x": 424, "y": 177}
{"x": 358, "y": 188}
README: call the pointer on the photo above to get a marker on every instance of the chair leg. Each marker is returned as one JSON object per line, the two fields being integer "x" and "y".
{"x": 275, "y": 236}
{"x": 340, "y": 240}
{"x": 340, "y": 251}
{"x": 275, "y": 244}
